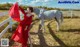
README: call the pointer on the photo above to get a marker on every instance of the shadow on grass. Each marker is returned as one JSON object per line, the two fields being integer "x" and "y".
{"x": 53, "y": 46}
{"x": 70, "y": 30}
{"x": 43, "y": 46}
{"x": 68, "y": 17}
{"x": 34, "y": 22}
{"x": 55, "y": 37}
{"x": 41, "y": 37}
{"x": 62, "y": 44}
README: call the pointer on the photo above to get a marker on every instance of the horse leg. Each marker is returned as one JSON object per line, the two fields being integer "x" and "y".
{"x": 42, "y": 24}
{"x": 58, "y": 23}
{"x": 61, "y": 18}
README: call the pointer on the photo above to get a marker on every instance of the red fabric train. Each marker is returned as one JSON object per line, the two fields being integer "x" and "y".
{"x": 20, "y": 35}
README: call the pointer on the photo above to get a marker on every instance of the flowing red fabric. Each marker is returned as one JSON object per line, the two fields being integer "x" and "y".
{"x": 21, "y": 34}
{"x": 14, "y": 12}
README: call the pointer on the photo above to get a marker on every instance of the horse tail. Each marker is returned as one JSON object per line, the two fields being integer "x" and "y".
{"x": 61, "y": 17}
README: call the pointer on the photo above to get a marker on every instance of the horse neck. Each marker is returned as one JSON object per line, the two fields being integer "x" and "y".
{"x": 37, "y": 11}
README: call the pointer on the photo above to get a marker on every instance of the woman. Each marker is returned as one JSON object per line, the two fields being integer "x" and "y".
{"x": 21, "y": 33}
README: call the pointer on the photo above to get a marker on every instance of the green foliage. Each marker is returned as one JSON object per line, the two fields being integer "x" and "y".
{"x": 5, "y": 6}
{"x": 8, "y": 5}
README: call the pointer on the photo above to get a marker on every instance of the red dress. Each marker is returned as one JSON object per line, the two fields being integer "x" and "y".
{"x": 21, "y": 35}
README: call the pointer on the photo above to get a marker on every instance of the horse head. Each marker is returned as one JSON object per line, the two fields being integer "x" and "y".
{"x": 36, "y": 11}
{"x": 39, "y": 12}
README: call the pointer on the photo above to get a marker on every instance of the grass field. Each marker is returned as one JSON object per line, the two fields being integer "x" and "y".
{"x": 68, "y": 36}
{"x": 3, "y": 10}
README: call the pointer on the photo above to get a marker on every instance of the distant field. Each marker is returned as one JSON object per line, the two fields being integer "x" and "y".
{"x": 2, "y": 18}
{"x": 3, "y": 10}
{"x": 68, "y": 36}
{"x": 68, "y": 13}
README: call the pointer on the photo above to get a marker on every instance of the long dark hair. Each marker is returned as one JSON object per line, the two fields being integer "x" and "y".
{"x": 31, "y": 8}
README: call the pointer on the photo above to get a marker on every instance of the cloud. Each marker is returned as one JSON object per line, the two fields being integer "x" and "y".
{"x": 6, "y": 2}
{"x": 47, "y": 0}
{"x": 41, "y": 2}
{"x": 36, "y": 1}
{"x": 20, "y": 1}
{"x": 11, "y": 2}
{"x": 2, "y": 2}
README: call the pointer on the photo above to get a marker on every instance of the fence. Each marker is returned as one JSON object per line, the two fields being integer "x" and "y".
{"x": 9, "y": 26}
{"x": 4, "y": 22}
{"x": 71, "y": 13}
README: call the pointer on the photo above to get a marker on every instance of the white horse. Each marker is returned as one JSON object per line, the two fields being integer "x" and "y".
{"x": 49, "y": 14}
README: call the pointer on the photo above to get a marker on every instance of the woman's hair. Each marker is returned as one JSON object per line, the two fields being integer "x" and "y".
{"x": 31, "y": 8}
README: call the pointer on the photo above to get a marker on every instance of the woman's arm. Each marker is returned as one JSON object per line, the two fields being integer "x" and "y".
{"x": 22, "y": 10}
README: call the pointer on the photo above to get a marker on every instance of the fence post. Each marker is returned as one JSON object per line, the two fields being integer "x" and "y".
{"x": 10, "y": 23}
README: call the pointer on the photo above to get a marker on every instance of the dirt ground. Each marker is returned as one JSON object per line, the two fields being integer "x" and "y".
{"x": 68, "y": 36}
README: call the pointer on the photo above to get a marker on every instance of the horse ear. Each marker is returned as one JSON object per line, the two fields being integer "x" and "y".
{"x": 36, "y": 10}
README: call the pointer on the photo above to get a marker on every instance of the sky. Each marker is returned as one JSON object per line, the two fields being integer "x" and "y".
{"x": 48, "y": 3}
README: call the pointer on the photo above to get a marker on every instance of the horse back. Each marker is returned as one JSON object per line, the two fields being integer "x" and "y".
{"x": 50, "y": 14}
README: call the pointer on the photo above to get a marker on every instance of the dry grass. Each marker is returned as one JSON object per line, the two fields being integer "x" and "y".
{"x": 68, "y": 36}
{"x": 2, "y": 18}
{"x": 3, "y": 10}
